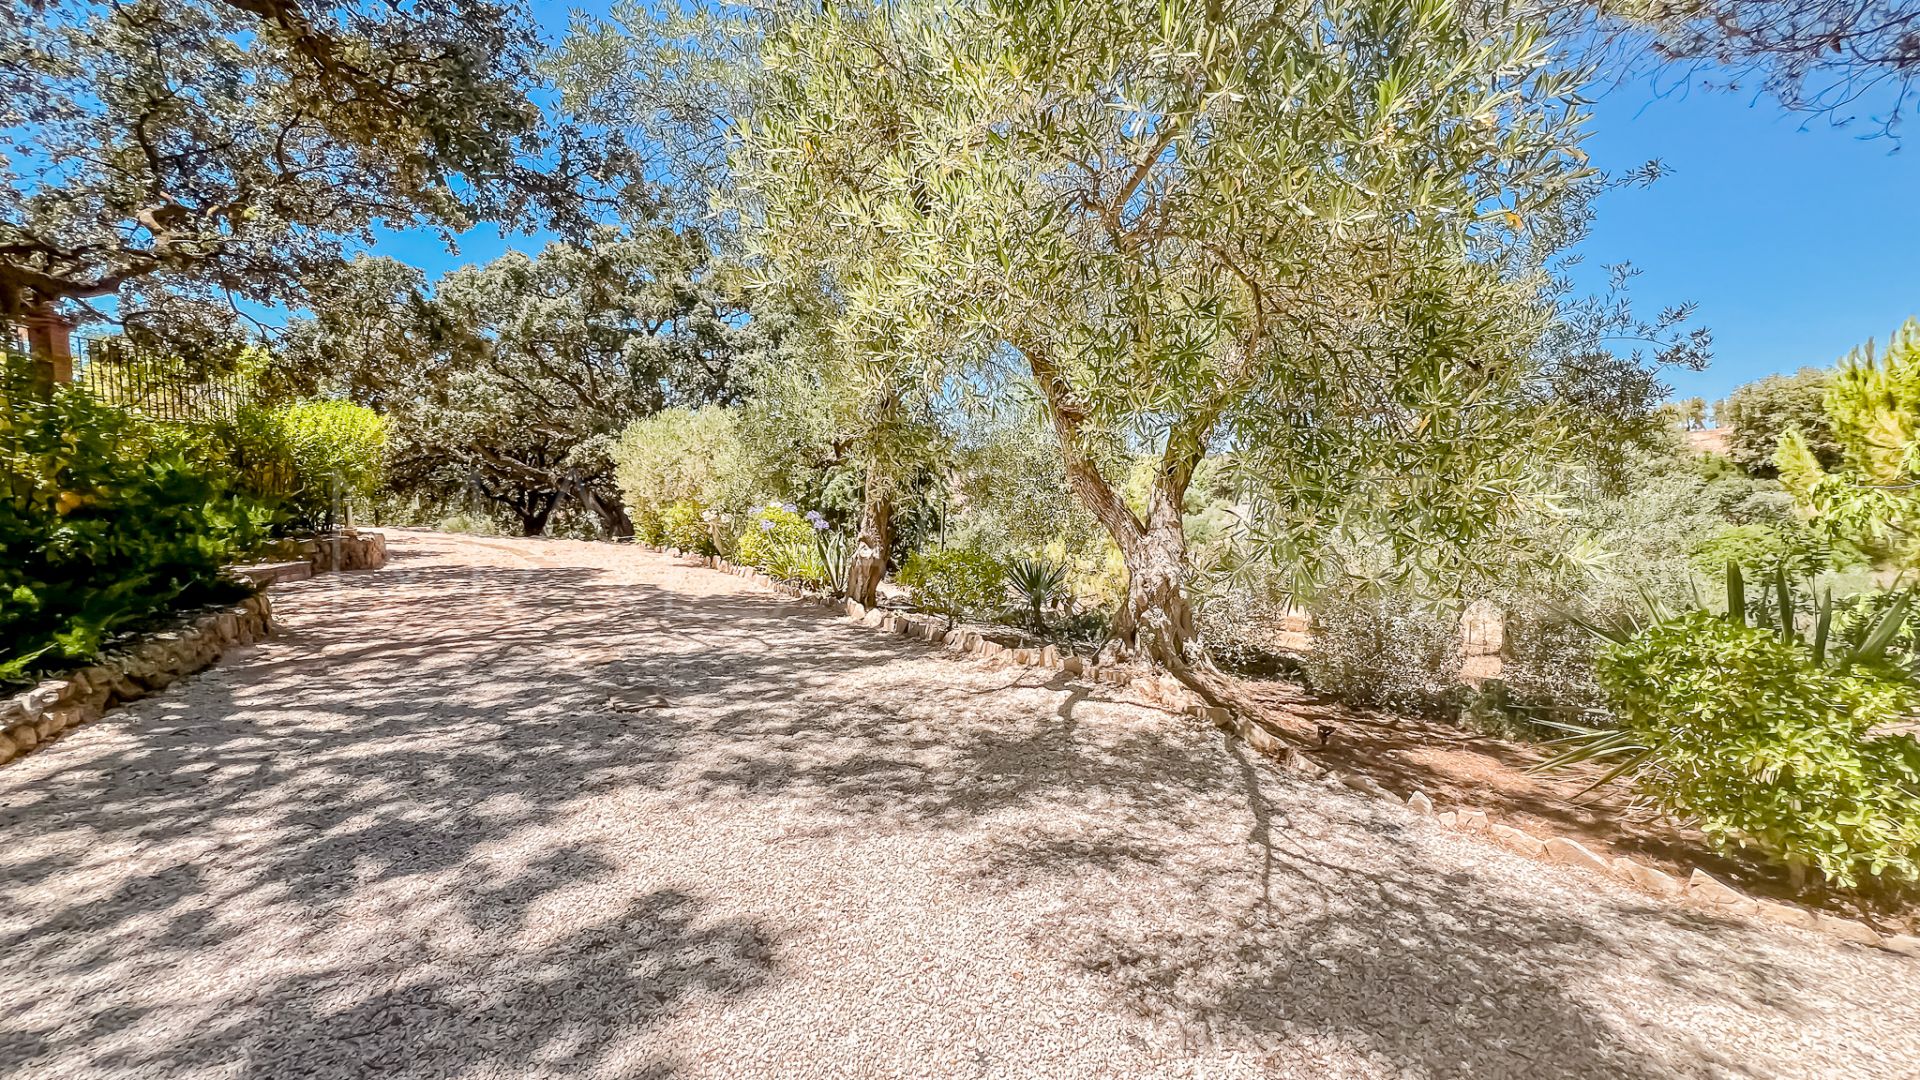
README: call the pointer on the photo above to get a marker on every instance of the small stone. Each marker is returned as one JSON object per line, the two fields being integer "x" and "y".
{"x": 1514, "y": 839}
{"x": 1262, "y": 740}
{"x": 1361, "y": 783}
{"x": 25, "y": 737}
{"x": 1573, "y": 853}
{"x": 1704, "y": 888}
{"x": 1419, "y": 803}
{"x": 1847, "y": 930}
{"x": 1049, "y": 657}
{"x": 44, "y": 696}
{"x": 1904, "y": 944}
{"x": 1448, "y": 818}
{"x": 856, "y": 610}
{"x": 1215, "y": 715}
{"x": 1787, "y": 915}
{"x": 1473, "y": 820}
{"x": 873, "y": 617}
{"x": 1073, "y": 665}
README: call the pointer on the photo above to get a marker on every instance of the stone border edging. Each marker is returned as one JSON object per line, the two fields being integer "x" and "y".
{"x": 154, "y": 662}
{"x": 1700, "y": 891}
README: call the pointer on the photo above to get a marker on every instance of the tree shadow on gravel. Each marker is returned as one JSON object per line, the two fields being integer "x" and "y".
{"x": 1430, "y": 968}
{"x": 418, "y": 730}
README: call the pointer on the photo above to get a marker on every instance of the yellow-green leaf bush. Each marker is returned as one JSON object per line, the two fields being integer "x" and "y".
{"x": 1764, "y": 749}
{"x": 337, "y": 450}
{"x": 956, "y": 582}
{"x": 779, "y": 540}
{"x": 678, "y": 456}
{"x": 683, "y": 524}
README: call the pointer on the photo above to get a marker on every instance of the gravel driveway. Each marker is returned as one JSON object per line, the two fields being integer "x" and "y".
{"x": 447, "y": 826}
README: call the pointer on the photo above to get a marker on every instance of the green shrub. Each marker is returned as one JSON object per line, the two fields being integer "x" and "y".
{"x": 1759, "y": 413}
{"x": 956, "y": 582}
{"x": 777, "y": 539}
{"x": 1389, "y": 650}
{"x": 337, "y": 450}
{"x": 682, "y": 525}
{"x": 1761, "y": 547}
{"x": 318, "y": 460}
{"x": 678, "y": 455}
{"x": 103, "y": 524}
{"x": 1747, "y": 735}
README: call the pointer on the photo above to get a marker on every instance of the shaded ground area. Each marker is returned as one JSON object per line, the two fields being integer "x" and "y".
{"x": 539, "y": 808}
{"x": 1460, "y": 769}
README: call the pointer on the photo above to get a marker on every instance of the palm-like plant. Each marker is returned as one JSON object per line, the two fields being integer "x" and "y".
{"x": 1037, "y": 583}
{"x": 835, "y": 549}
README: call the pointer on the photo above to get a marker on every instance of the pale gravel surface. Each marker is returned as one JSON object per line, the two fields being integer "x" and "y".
{"x": 427, "y": 833}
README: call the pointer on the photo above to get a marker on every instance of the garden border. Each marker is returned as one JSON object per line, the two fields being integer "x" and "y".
{"x": 1699, "y": 892}
{"x": 148, "y": 665}
{"x": 155, "y": 661}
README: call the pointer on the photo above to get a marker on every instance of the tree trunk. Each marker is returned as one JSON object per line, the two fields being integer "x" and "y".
{"x": 534, "y": 511}
{"x": 869, "y": 564}
{"x": 614, "y": 522}
{"x": 1155, "y": 621}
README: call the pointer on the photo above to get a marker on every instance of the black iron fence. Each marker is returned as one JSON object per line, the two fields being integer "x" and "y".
{"x": 157, "y": 387}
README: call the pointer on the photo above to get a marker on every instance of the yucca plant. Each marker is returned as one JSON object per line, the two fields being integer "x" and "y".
{"x": 836, "y": 556}
{"x": 1038, "y": 584}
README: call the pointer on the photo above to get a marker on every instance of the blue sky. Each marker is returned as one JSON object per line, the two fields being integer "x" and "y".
{"x": 1796, "y": 239}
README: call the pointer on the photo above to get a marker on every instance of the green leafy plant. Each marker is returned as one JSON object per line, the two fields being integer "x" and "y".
{"x": 836, "y": 558}
{"x": 683, "y": 526}
{"x": 779, "y": 540}
{"x": 1764, "y": 735}
{"x": 1385, "y": 648}
{"x": 337, "y": 450}
{"x": 103, "y": 525}
{"x": 1038, "y": 584}
{"x": 955, "y": 583}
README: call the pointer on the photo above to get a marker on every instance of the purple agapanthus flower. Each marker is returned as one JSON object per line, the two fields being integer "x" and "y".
{"x": 766, "y": 525}
{"x": 820, "y": 525}
{"x": 790, "y": 508}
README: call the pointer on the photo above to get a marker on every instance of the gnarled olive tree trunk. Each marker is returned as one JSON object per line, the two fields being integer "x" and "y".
{"x": 874, "y": 544}
{"x": 1156, "y": 620}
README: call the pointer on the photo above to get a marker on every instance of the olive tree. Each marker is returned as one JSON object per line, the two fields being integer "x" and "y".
{"x": 1306, "y": 236}
{"x": 846, "y": 390}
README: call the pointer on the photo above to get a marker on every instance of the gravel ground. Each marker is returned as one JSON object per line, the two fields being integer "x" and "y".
{"x": 539, "y": 808}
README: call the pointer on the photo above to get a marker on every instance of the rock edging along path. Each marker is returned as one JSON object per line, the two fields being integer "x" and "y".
{"x": 525, "y": 809}
{"x": 147, "y": 665}
{"x": 1700, "y": 890}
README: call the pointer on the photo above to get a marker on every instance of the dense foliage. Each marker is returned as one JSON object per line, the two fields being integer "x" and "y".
{"x": 1757, "y": 414}
{"x": 102, "y": 526}
{"x": 956, "y": 582}
{"x": 1761, "y": 746}
{"x": 180, "y": 154}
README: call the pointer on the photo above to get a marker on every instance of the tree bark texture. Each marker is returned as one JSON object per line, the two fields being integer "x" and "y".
{"x": 874, "y": 544}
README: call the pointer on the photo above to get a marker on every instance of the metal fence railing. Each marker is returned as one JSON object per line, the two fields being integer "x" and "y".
{"x": 157, "y": 387}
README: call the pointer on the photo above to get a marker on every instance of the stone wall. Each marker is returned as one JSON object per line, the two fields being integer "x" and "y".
{"x": 351, "y": 550}
{"x": 298, "y": 560}
{"x": 152, "y": 663}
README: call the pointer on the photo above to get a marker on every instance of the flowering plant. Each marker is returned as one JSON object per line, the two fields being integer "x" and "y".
{"x": 780, "y": 541}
